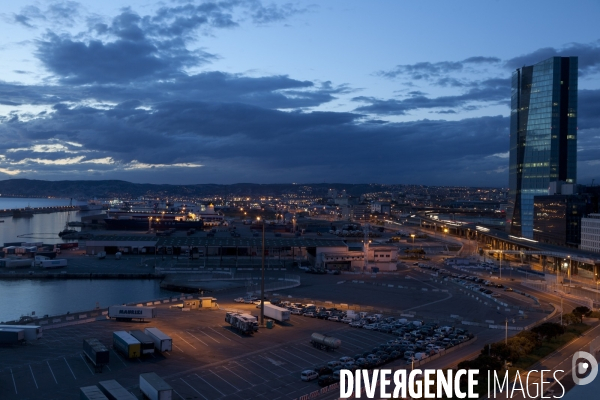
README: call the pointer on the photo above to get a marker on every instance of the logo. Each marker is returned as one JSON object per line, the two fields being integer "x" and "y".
{"x": 589, "y": 367}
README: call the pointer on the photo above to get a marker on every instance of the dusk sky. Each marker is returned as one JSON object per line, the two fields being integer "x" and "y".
{"x": 277, "y": 92}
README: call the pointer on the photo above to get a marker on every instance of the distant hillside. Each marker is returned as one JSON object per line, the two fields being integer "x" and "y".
{"x": 123, "y": 189}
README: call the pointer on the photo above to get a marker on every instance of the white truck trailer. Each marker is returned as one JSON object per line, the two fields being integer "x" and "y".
{"x": 31, "y": 332}
{"x": 131, "y": 312}
{"x": 154, "y": 387}
{"x": 162, "y": 342}
{"x": 277, "y": 313}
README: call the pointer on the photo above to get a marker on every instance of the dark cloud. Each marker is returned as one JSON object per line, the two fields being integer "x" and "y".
{"x": 588, "y": 54}
{"x": 428, "y": 70}
{"x": 491, "y": 90}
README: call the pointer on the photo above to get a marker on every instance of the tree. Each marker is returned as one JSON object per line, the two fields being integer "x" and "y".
{"x": 548, "y": 330}
{"x": 570, "y": 319}
{"x": 581, "y": 311}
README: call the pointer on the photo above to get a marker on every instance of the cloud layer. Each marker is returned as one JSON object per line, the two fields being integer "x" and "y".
{"x": 122, "y": 102}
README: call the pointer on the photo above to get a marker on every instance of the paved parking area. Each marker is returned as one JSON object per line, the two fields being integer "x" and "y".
{"x": 208, "y": 361}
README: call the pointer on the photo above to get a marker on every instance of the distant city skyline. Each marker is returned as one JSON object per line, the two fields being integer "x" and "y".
{"x": 272, "y": 92}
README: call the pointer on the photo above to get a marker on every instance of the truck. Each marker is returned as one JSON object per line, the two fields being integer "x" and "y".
{"x": 11, "y": 336}
{"x": 31, "y": 332}
{"x": 114, "y": 391}
{"x": 162, "y": 342}
{"x": 129, "y": 346}
{"x": 277, "y": 313}
{"x": 146, "y": 342}
{"x": 128, "y": 313}
{"x": 154, "y": 387}
{"x": 16, "y": 262}
{"x": 91, "y": 393}
{"x": 96, "y": 352}
{"x": 101, "y": 255}
{"x": 58, "y": 263}
{"x": 324, "y": 342}
{"x": 243, "y": 323}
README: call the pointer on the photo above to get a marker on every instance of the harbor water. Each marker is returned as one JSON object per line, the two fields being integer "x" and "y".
{"x": 22, "y": 297}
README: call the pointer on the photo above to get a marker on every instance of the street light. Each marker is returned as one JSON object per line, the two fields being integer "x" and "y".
{"x": 262, "y": 280}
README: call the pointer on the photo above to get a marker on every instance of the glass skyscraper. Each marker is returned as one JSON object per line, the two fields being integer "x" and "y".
{"x": 543, "y": 136}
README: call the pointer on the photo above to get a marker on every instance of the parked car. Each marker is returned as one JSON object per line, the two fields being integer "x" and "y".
{"x": 308, "y": 375}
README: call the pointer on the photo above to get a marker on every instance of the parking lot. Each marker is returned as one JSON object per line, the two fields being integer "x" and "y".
{"x": 209, "y": 360}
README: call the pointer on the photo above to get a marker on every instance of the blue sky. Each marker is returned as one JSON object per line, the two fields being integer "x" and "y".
{"x": 269, "y": 92}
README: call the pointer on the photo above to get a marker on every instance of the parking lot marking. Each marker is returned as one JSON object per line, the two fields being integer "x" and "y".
{"x": 69, "y": 368}
{"x": 177, "y": 347}
{"x": 120, "y": 359}
{"x": 180, "y": 396}
{"x": 210, "y": 336}
{"x": 186, "y": 342}
{"x": 275, "y": 362}
{"x": 285, "y": 359}
{"x": 34, "y": 381}
{"x": 86, "y": 364}
{"x": 217, "y": 332}
{"x": 224, "y": 380}
{"x": 14, "y": 383}
{"x": 222, "y": 394}
{"x": 312, "y": 355}
{"x": 191, "y": 388}
{"x": 260, "y": 366}
{"x": 252, "y": 372}
{"x": 108, "y": 368}
{"x": 238, "y": 376}
{"x": 198, "y": 339}
{"x": 292, "y": 354}
{"x": 52, "y": 372}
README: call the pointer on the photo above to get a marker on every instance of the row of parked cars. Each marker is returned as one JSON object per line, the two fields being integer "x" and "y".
{"x": 411, "y": 349}
{"x": 472, "y": 282}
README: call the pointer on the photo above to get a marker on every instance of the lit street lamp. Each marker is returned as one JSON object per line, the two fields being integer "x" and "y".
{"x": 262, "y": 280}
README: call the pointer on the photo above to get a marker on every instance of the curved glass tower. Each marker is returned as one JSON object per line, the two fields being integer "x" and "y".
{"x": 543, "y": 136}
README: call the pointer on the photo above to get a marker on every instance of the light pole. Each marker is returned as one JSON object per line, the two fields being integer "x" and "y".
{"x": 569, "y": 272}
{"x": 506, "y": 333}
{"x": 500, "y": 264}
{"x": 561, "y": 308}
{"x": 262, "y": 280}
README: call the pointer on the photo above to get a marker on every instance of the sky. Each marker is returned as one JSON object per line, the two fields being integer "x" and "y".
{"x": 189, "y": 92}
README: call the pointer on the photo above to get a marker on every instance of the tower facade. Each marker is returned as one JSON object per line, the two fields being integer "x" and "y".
{"x": 543, "y": 136}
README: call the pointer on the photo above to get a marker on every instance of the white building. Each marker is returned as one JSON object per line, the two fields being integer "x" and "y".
{"x": 590, "y": 233}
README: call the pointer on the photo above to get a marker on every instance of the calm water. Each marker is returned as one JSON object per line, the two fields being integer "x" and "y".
{"x": 40, "y": 227}
{"x": 57, "y": 297}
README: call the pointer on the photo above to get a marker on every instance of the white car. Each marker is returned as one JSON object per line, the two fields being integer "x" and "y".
{"x": 308, "y": 375}
{"x": 239, "y": 300}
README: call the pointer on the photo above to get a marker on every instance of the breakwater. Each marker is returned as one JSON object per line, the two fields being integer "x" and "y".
{"x": 78, "y": 275}
{"x": 27, "y": 212}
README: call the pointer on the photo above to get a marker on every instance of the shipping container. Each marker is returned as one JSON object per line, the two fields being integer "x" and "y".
{"x": 11, "y": 335}
{"x": 91, "y": 393}
{"x": 162, "y": 342}
{"x": 59, "y": 263}
{"x": 146, "y": 342}
{"x": 97, "y": 353}
{"x": 131, "y": 312}
{"x": 32, "y": 332}
{"x": 154, "y": 387}
{"x": 16, "y": 262}
{"x": 126, "y": 344}
{"x": 114, "y": 391}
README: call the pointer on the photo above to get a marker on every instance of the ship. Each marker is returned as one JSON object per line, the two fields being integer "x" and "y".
{"x": 92, "y": 205}
{"x": 142, "y": 224}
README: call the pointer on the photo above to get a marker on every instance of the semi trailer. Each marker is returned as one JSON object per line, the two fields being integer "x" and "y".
{"x": 324, "y": 342}
{"x": 162, "y": 342}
